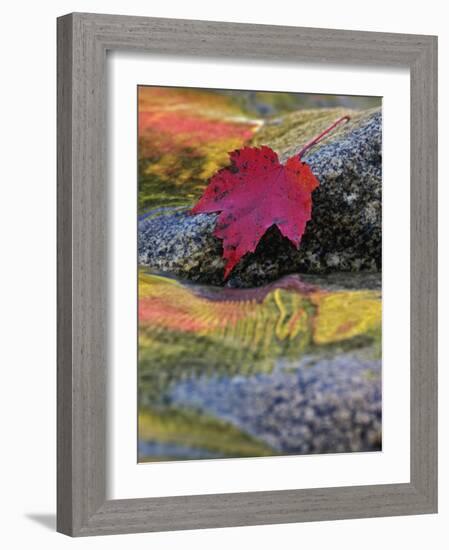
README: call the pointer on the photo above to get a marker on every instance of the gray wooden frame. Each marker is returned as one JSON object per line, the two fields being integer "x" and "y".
{"x": 83, "y": 40}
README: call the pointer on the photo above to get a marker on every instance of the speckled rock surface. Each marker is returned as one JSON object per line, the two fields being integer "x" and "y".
{"x": 343, "y": 235}
{"x": 317, "y": 405}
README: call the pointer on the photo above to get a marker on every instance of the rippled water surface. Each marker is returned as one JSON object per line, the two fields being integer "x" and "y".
{"x": 232, "y": 372}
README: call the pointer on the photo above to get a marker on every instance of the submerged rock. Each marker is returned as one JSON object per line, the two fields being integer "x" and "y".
{"x": 313, "y": 405}
{"x": 344, "y": 233}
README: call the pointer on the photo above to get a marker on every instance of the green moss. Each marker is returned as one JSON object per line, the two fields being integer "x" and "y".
{"x": 295, "y": 129}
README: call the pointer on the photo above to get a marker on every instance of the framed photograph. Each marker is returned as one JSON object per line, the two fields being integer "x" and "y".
{"x": 247, "y": 274}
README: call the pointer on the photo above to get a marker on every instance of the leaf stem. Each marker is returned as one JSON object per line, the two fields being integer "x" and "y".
{"x": 318, "y": 138}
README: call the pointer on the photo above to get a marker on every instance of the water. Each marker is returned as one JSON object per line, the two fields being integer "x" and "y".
{"x": 290, "y": 368}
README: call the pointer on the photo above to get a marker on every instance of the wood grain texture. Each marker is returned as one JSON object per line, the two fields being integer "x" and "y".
{"x": 423, "y": 274}
{"x": 64, "y": 277}
{"x": 83, "y": 40}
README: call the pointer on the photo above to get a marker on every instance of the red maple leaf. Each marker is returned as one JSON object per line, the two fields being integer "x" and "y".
{"x": 257, "y": 192}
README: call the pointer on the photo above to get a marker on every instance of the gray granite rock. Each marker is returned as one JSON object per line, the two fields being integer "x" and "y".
{"x": 344, "y": 233}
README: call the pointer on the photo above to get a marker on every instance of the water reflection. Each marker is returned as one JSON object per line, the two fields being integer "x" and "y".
{"x": 195, "y": 341}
